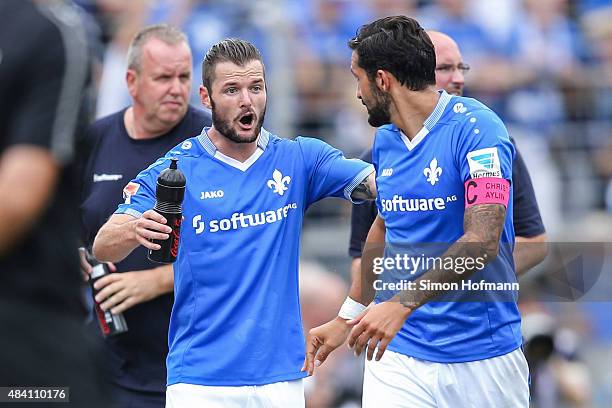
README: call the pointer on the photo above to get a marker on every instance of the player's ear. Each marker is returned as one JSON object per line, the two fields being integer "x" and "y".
{"x": 131, "y": 77}
{"x": 205, "y": 97}
{"x": 383, "y": 80}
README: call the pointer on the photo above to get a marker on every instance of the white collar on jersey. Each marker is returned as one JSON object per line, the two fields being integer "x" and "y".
{"x": 209, "y": 146}
{"x": 430, "y": 122}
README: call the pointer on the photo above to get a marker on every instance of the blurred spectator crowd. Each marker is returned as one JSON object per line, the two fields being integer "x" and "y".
{"x": 545, "y": 66}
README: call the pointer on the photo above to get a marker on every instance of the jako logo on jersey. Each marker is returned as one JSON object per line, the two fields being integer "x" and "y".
{"x": 459, "y": 108}
{"x": 241, "y": 220}
{"x": 277, "y": 184}
{"x": 484, "y": 163}
{"x": 211, "y": 194}
{"x": 198, "y": 224}
{"x": 186, "y": 145}
{"x": 386, "y": 172}
{"x": 433, "y": 172}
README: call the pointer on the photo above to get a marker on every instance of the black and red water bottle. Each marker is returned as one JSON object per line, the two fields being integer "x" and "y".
{"x": 169, "y": 203}
{"x": 110, "y": 323}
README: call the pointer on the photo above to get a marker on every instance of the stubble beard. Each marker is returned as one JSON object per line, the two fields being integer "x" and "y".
{"x": 379, "y": 114}
{"x": 226, "y": 129}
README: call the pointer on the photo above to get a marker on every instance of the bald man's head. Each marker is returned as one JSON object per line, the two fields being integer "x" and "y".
{"x": 449, "y": 63}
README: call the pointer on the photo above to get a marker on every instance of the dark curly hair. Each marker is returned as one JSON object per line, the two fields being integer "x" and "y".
{"x": 399, "y": 45}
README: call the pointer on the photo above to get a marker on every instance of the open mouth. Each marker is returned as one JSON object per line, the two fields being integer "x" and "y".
{"x": 246, "y": 121}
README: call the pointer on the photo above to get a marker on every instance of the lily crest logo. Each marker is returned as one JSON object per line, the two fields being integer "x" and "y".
{"x": 433, "y": 172}
{"x": 278, "y": 183}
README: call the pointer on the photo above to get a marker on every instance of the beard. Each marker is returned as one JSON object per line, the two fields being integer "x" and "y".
{"x": 379, "y": 114}
{"x": 226, "y": 129}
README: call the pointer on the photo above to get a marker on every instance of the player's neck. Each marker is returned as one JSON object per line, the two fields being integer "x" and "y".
{"x": 237, "y": 151}
{"x": 138, "y": 127}
{"x": 410, "y": 109}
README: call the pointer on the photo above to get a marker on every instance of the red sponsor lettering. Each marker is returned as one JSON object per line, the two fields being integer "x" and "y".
{"x": 102, "y": 319}
{"x": 176, "y": 231}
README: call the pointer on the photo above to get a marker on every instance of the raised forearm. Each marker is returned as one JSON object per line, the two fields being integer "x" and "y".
{"x": 165, "y": 275}
{"x": 483, "y": 225}
{"x": 116, "y": 239}
{"x": 528, "y": 252}
{"x": 362, "y": 285}
{"x": 122, "y": 233}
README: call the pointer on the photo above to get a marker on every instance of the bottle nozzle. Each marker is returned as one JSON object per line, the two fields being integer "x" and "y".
{"x": 174, "y": 163}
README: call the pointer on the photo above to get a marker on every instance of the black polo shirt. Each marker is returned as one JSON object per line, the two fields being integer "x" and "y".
{"x": 137, "y": 358}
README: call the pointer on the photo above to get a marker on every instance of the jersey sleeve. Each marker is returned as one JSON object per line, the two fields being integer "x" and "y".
{"x": 484, "y": 148}
{"x": 330, "y": 173}
{"x": 526, "y": 214}
{"x": 139, "y": 194}
{"x": 375, "y": 157}
{"x": 362, "y": 217}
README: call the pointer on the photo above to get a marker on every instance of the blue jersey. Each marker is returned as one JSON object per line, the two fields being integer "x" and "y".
{"x": 236, "y": 316}
{"x": 421, "y": 199}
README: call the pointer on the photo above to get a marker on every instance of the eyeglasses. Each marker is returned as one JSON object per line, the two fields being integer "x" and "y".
{"x": 448, "y": 68}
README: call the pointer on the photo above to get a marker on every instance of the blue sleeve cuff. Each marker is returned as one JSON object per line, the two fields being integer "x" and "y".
{"x": 129, "y": 211}
{"x": 348, "y": 190}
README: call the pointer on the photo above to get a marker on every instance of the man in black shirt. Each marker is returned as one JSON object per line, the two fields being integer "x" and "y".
{"x": 530, "y": 248}
{"x": 44, "y": 73}
{"x": 124, "y": 143}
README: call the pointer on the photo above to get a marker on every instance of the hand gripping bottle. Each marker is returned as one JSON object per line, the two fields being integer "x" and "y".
{"x": 169, "y": 194}
{"x": 110, "y": 323}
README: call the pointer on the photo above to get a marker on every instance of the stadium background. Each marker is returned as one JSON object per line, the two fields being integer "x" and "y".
{"x": 545, "y": 66}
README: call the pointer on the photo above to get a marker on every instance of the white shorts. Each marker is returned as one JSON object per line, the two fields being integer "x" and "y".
{"x": 401, "y": 381}
{"x": 288, "y": 394}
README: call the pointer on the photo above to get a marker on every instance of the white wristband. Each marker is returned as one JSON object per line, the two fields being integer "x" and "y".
{"x": 350, "y": 309}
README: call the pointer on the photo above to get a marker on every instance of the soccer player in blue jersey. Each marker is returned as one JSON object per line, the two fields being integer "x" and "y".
{"x": 444, "y": 171}
{"x": 235, "y": 334}
{"x": 530, "y": 234}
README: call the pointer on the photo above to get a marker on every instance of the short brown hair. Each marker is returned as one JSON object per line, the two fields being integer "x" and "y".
{"x": 232, "y": 50}
{"x": 163, "y": 32}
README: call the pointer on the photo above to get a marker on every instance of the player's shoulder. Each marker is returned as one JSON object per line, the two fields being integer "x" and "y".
{"x": 187, "y": 149}
{"x": 385, "y": 129}
{"x": 300, "y": 144}
{"x": 470, "y": 118}
{"x": 466, "y": 112}
{"x": 385, "y": 135}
